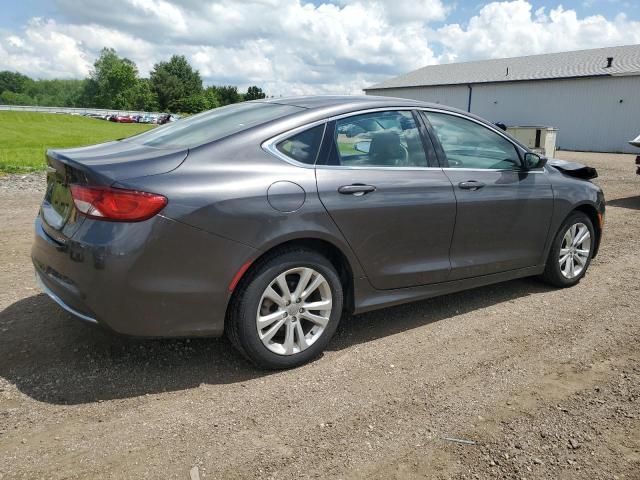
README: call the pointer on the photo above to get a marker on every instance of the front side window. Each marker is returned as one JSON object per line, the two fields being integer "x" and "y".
{"x": 303, "y": 147}
{"x": 470, "y": 145}
{"x": 379, "y": 139}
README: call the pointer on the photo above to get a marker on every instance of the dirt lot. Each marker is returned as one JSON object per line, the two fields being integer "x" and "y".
{"x": 546, "y": 383}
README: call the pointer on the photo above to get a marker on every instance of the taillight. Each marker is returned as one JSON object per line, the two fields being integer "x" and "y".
{"x": 116, "y": 204}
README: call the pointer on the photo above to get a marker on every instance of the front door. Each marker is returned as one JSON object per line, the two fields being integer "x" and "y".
{"x": 504, "y": 212}
{"x": 394, "y": 207}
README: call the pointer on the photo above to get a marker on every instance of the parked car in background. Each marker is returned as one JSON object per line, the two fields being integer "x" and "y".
{"x": 136, "y": 118}
{"x": 125, "y": 119}
{"x": 167, "y": 118}
{"x": 148, "y": 118}
{"x": 267, "y": 220}
{"x": 162, "y": 119}
{"x": 636, "y": 143}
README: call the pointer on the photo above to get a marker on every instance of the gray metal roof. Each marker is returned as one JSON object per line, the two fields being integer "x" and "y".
{"x": 581, "y": 63}
{"x": 346, "y": 101}
{"x": 322, "y": 106}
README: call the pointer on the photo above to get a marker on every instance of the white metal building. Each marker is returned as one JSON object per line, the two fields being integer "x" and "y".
{"x": 591, "y": 96}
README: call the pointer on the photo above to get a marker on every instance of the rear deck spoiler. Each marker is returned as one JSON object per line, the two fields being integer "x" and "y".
{"x": 111, "y": 162}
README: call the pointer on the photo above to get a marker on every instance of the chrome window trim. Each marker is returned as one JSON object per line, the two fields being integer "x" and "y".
{"x": 356, "y": 167}
{"x": 515, "y": 170}
{"x": 269, "y": 145}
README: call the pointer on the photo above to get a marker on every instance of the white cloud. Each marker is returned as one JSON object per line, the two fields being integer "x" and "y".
{"x": 44, "y": 51}
{"x": 296, "y": 47}
{"x": 509, "y": 29}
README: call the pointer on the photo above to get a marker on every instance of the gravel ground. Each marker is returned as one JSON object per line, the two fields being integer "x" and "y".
{"x": 537, "y": 382}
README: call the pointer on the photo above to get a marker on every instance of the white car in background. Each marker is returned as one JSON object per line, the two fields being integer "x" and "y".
{"x": 636, "y": 143}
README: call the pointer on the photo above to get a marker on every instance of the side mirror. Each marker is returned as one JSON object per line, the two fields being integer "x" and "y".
{"x": 533, "y": 160}
{"x": 363, "y": 146}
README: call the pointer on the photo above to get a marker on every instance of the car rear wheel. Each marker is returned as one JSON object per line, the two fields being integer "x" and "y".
{"x": 286, "y": 310}
{"x": 571, "y": 252}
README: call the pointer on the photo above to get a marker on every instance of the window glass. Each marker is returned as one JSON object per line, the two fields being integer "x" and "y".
{"x": 380, "y": 139}
{"x": 304, "y": 146}
{"x": 470, "y": 145}
{"x": 212, "y": 125}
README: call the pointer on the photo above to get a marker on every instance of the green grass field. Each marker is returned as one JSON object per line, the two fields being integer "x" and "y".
{"x": 24, "y": 136}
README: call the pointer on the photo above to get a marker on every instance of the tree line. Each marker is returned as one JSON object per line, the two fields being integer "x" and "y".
{"x": 114, "y": 83}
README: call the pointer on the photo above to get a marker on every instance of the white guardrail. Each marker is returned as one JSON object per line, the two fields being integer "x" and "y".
{"x": 72, "y": 110}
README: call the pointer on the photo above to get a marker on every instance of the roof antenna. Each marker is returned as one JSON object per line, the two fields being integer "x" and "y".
{"x": 507, "y": 72}
{"x": 609, "y": 62}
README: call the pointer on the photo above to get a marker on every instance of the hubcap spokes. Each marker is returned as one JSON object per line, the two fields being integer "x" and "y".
{"x": 575, "y": 250}
{"x": 294, "y": 311}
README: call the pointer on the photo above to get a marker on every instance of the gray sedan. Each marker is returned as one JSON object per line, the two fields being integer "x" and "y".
{"x": 270, "y": 220}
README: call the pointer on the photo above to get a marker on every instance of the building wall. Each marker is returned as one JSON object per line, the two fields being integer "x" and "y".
{"x": 454, "y": 95}
{"x": 587, "y": 112}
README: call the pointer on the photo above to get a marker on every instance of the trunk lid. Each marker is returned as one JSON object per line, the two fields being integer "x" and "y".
{"x": 103, "y": 164}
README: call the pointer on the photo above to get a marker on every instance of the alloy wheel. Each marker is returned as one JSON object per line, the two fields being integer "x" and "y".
{"x": 294, "y": 311}
{"x": 575, "y": 250}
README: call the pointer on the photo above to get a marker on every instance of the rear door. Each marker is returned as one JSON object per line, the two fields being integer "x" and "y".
{"x": 504, "y": 212}
{"x": 378, "y": 178}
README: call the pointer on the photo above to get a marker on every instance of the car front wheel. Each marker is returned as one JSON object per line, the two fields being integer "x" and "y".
{"x": 571, "y": 251}
{"x": 287, "y": 309}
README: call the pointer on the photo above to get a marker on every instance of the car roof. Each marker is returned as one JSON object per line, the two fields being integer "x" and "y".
{"x": 321, "y": 106}
{"x": 348, "y": 103}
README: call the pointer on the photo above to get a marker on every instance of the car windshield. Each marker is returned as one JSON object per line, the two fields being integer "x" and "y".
{"x": 212, "y": 125}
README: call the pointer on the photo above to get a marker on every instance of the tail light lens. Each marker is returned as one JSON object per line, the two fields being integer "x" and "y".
{"x": 116, "y": 204}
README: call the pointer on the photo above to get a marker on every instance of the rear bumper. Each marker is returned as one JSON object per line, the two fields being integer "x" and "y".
{"x": 61, "y": 302}
{"x": 158, "y": 278}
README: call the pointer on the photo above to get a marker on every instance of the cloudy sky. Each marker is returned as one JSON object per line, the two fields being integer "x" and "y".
{"x": 291, "y": 47}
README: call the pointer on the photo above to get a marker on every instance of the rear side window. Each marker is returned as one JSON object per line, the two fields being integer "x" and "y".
{"x": 213, "y": 125}
{"x": 304, "y": 146}
{"x": 380, "y": 139}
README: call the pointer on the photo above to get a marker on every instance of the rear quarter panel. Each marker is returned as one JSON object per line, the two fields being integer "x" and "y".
{"x": 222, "y": 188}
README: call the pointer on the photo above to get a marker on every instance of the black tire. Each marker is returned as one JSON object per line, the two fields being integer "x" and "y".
{"x": 241, "y": 328}
{"x": 553, "y": 273}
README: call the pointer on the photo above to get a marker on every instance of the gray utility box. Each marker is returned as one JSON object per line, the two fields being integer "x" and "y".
{"x": 539, "y": 139}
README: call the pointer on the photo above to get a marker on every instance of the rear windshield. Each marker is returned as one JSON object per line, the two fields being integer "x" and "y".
{"x": 212, "y": 125}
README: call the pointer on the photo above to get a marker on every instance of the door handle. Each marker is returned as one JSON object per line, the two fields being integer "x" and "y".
{"x": 471, "y": 185}
{"x": 356, "y": 189}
